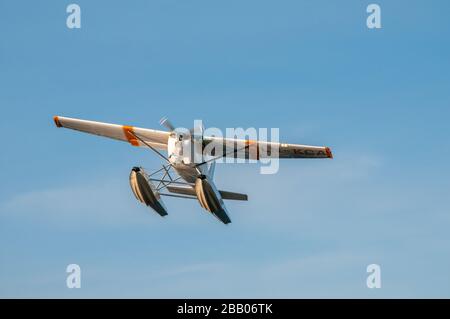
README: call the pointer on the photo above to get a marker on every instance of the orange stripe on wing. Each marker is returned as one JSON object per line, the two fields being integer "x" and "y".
{"x": 130, "y": 137}
{"x": 328, "y": 151}
{"x": 250, "y": 143}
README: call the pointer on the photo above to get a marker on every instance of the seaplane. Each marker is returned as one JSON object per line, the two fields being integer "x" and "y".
{"x": 189, "y": 166}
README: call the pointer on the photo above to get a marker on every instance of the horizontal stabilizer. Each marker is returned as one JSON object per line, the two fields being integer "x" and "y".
{"x": 190, "y": 191}
{"x": 183, "y": 190}
{"x": 233, "y": 196}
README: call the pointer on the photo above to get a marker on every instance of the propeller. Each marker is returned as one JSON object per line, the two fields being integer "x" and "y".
{"x": 166, "y": 123}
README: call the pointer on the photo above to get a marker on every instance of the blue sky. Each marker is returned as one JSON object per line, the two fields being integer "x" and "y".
{"x": 379, "y": 98}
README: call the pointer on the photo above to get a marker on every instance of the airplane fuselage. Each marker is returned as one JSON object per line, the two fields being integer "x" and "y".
{"x": 181, "y": 156}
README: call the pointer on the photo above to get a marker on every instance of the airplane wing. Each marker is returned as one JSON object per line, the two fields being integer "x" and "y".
{"x": 250, "y": 149}
{"x": 157, "y": 139}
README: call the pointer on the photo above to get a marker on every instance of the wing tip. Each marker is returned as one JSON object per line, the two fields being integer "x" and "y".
{"x": 329, "y": 153}
{"x": 57, "y": 122}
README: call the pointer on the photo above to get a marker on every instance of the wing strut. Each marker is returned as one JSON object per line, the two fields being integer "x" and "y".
{"x": 151, "y": 147}
{"x": 224, "y": 155}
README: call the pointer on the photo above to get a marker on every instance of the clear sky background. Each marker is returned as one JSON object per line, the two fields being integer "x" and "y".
{"x": 379, "y": 98}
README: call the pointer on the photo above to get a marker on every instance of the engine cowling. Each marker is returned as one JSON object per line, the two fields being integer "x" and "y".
{"x": 145, "y": 191}
{"x": 210, "y": 199}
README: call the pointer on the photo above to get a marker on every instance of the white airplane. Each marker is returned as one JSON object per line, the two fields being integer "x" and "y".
{"x": 195, "y": 177}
